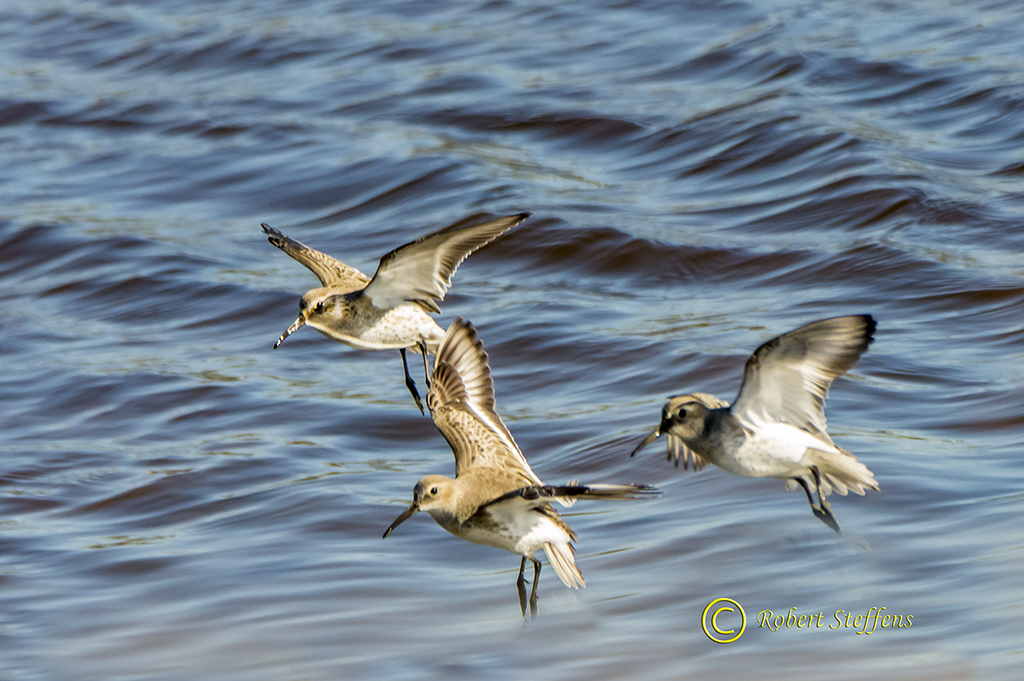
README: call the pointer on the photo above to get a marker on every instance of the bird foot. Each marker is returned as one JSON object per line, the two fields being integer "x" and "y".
{"x": 824, "y": 514}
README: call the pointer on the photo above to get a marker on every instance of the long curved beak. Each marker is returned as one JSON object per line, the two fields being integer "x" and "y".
{"x": 296, "y": 325}
{"x": 406, "y": 514}
{"x": 647, "y": 440}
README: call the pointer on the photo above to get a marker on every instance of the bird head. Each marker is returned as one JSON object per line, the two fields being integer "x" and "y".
{"x": 318, "y": 308}
{"x": 433, "y": 494}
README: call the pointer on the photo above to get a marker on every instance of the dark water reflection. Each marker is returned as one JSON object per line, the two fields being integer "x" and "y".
{"x": 177, "y": 499}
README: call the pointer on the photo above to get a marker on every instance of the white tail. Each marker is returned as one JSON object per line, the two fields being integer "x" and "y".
{"x": 842, "y": 472}
{"x": 562, "y": 559}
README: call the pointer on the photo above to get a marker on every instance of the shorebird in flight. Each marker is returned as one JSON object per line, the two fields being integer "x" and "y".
{"x": 776, "y": 426}
{"x": 388, "y": 311}
{"x": 495, "y": 498}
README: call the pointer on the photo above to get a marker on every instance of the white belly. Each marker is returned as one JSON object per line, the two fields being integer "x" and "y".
{"x": 402, "y": 327}
{"x": 775, "y": 450}
{"x": 523, "y": 532}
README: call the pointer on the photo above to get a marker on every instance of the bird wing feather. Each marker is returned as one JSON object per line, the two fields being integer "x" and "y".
{"x": 421, "y": 271}
{"x": 328, "y": 270}
{"x": 461, "y": 402}
{"x": 787, "y": 379}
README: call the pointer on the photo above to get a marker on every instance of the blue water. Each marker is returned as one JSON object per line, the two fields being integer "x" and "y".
{"x": 178, "y": 500}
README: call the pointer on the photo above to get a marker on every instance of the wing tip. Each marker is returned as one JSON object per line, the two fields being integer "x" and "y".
{"x": 272, "y": 234}
{"x": 870, "y": 326}
{"x": 462, "y": 360}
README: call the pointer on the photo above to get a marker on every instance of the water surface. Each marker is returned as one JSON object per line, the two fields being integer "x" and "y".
{"x": 179, "y": 500}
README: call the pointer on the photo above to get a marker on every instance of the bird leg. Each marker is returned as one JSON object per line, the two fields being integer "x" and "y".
{"x": 521, "y": 587}
{"x": 426, "y": 372}
{"x": 533, "y": 591}
{"x": 409, "y": 383}
{"x": 826, "y": 511}
{"x": 822, "y": 511}
{"x": 807, "y": 491}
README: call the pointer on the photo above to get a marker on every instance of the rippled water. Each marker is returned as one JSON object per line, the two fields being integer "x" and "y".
{"x": 177, "y": 500}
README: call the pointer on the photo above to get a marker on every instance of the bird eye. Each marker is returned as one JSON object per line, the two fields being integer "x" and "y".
{"x": 319, "y": 309}
{"x": 681, "y": 414}
{"x": 433, "y": 490}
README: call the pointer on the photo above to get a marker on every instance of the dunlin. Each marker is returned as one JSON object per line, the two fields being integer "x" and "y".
{"x": 495, "y": 498}
{"x": 389, "y": 310}
{"x": 776, "y": 427}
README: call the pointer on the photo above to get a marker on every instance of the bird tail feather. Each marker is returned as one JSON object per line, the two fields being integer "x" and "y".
{"x": 563, "y": 560}
{"x": 843, "y": 473}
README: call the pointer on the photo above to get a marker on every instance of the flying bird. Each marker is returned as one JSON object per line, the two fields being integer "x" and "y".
{"x": 776, "y": 426}
{"x": 388, "y": 311}
{"x": 495, "y": 498}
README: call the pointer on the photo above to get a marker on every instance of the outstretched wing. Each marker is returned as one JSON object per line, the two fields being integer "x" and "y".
{"x": 461, "y": 402}
{"x": 329, "y": 271}
{"x": 421, "y": 271}
{"x": 607, "y": 492}
{"x": 787, "y": 378}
